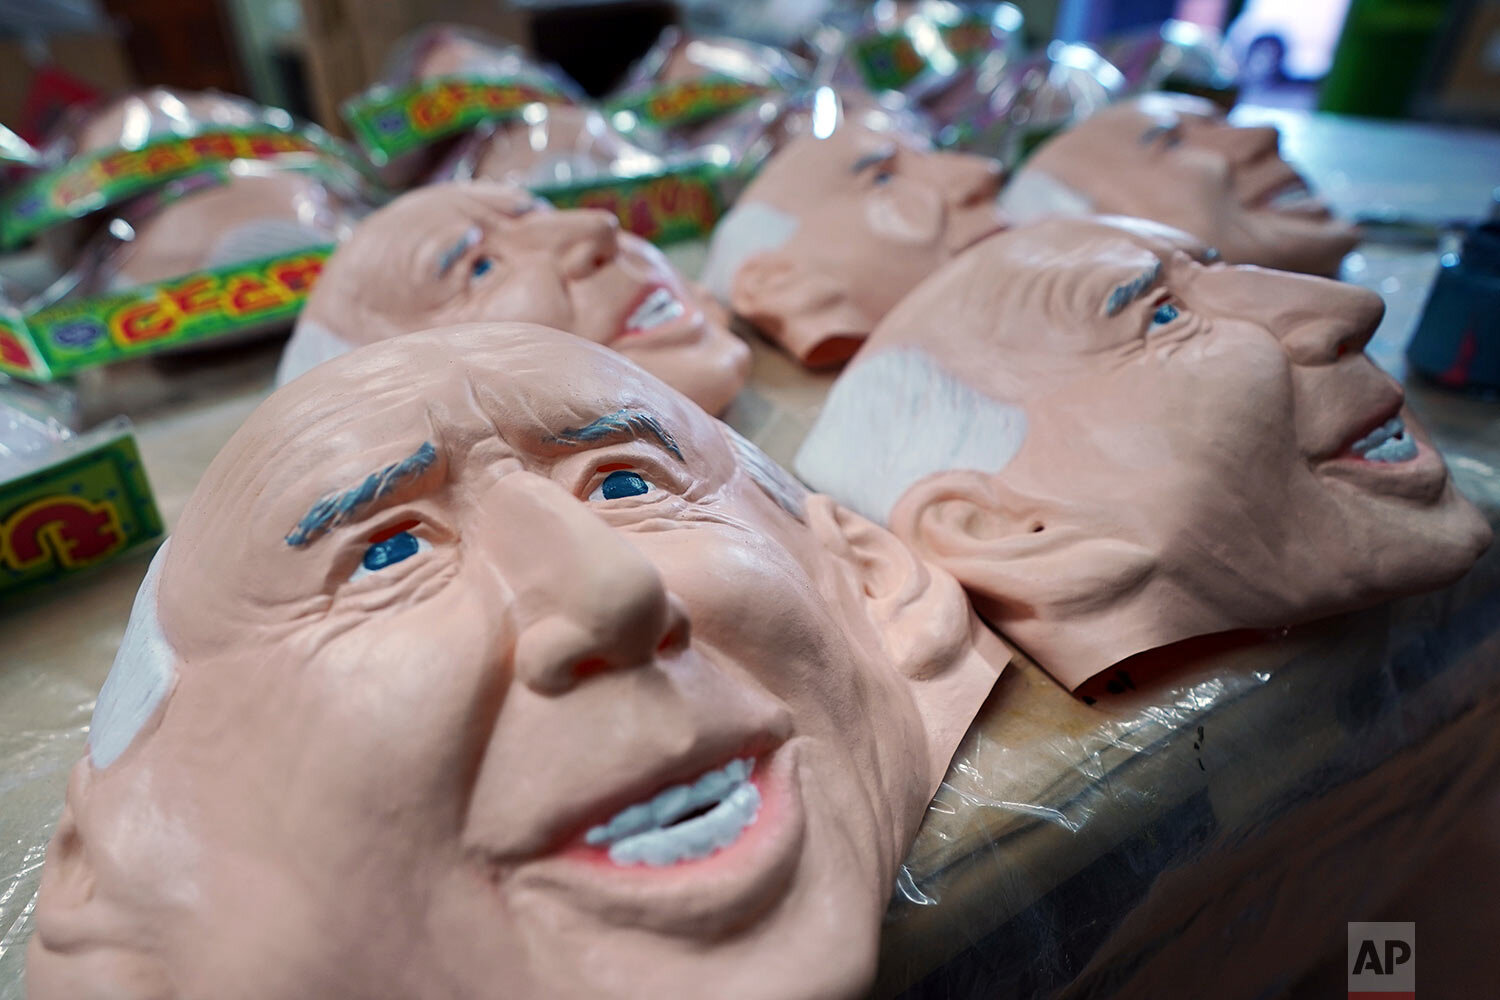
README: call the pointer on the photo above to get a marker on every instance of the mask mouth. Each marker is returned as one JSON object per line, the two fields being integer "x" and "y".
{"x": 659, "y": 317}
{"x": 683, "y": 822}
{"x": 1290, "y": 197}
{"x": 659, "y": 307}
{"x": 1389, "y": 443}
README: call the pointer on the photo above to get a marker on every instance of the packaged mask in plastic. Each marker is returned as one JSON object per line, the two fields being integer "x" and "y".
{"x": 440, "y": 82}
{"x": 1178, "y": 56}
{"x": 1033, "y": 99}
{"x": 231, "y": 250}
{"x": 923, "y": 48}
{"x": 546, "y": 145}
{"x": 134, "y": 145}
{"x": 685, "y": 80}
{"x": 749, "y": 135}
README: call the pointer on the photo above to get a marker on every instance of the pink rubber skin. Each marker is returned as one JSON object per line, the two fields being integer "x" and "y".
{"x": 1175, "y": 160}
{"x": 375, "y": 784}
{"x": 573, "y": 270}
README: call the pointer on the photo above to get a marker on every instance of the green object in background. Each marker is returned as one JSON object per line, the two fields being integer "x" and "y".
{"x": 106, "y": 177}
{"x": 391, "y": 121}
{"x": 891, "y": 60}
{"x": 70, "y": 336}
{"x": 1381, "y": 57}
{"x": 686, "y": 102}
{"x": 75, "y": 513}
{"x": 664, "y": 206}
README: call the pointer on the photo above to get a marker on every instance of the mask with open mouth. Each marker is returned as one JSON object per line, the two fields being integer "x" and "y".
{"x": 1175, "y": 160}
{"x": 1115, "y": 445}
{"x": 479, "y": 651}
{"x": 464, "y": 252}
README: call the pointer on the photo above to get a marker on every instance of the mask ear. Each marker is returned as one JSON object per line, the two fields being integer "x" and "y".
{"x": 924, "y": 621}
{"x": 84, "y": 947}
{"x": 1036, "y": 568}
{"x": 806, "y": 312}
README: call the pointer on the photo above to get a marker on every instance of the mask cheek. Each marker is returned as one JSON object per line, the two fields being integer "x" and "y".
{"x": 905, "y": 211}
{"x": 520, "y": 298}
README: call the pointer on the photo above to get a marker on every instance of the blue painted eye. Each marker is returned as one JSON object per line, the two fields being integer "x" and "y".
{"x": 885, "y": 176}
{"x": 481, "y": 267}
{"x": 1165, "y": 313}
{"x": 621, "y": 483}
{"x": 399, "y": 547}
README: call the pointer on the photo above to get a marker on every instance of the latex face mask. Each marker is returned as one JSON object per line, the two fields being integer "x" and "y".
{"x": 249, "y": 216}
{"x": 453, "y": 253}
{"x": 834, "y": 231}
{"x": 256, "y": 212}
{"x": 553, "y": 144}
{"x": 1175, "y": 160}
{"x": 132, "y": 120}
{"x": 453, "y": 52}
{"x": 1115, "y": 446}
{"x": 483, "y": 665}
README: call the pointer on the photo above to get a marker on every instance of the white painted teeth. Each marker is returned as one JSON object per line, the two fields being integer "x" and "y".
{"x": 1387, "y": 443}
{"x": 661, "y": 306}
{"x": 1290, "y": 197}
{"x": 648, "y": 832}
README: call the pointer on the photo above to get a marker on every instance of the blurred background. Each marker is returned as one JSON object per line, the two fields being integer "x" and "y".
{"x": 1424, "y": 59}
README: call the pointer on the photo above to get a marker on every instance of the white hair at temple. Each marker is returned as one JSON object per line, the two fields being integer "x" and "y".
{"x": 310, "y": 345}
{"x": 1035, "y": 194}
{"x": 140, "y": 678}
{"x": 897, "y": 418}
{"x": 749, "y": 228}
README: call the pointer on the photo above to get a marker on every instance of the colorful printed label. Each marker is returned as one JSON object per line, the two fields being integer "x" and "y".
{"x": 664, "y": 207}
{"x": 891, "y": 61}
{"x": 391, "y": 121}
{"x": 71, "y": 336}
{"x": 688, "y": 101}
{"x": 17, "y": 356}
{"x": 969, "y": 39}
{"x": 88, "y": 183}
{"x": 75, "y": 514}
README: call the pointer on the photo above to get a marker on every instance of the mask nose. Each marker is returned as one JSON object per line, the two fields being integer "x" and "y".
{"x": 583, "y": 239}
{"x": 1240, "y": 144}
{"x": 587, "y": 601}
{"x": 966, "y": 180}
{"x": 1317, "y": 320}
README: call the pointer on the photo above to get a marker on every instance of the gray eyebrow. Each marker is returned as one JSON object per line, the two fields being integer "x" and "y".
{"x": 1131, "y": 290}
{"x": 1157, "y": 131}
{"x": 871, "y": 159}
{"x": 625, "y": 423}
{"x": 471, "y": 236}
{"x": 340, "y": 508}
